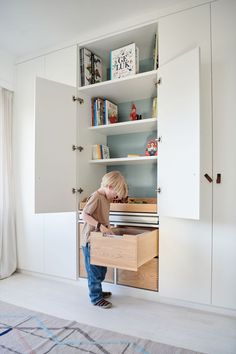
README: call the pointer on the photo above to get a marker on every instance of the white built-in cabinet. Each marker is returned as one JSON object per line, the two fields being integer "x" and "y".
{"x": 196, "y": 236}
{"x": 46, "y": 243}
{"x": 224, "y": 129}
{"x": 62, "y": 122}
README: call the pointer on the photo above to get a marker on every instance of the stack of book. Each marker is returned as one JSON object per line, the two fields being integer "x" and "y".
{"x": 90, "y": 67}
{"x": 103, "y": 111}
{"x": 100, "y": 152}
{"x": 124, "y": 61}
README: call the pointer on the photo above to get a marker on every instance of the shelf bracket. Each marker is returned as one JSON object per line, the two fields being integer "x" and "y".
{"x": 80, "y": 100}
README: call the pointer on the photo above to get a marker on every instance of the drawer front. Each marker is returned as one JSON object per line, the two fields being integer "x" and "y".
{"x": 145, "y": 278}
{"x": 124, "y": 252}
{"x": 83, "y": 274}
{"x": 80, "y": 234}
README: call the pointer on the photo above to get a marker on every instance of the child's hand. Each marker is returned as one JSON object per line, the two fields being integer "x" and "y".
{"x": 106, "y": 230}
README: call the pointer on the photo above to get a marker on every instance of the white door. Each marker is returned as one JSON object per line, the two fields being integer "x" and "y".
{"x": 179, "y": 131}
{"x": 224, "y": 147}
{"x": 88, "y": 175}
{"x": 55, "y": 133}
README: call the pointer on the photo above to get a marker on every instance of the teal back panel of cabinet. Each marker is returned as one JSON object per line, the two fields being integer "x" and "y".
{"x": 141, "y": 178}
{"x": 143, "y": 107}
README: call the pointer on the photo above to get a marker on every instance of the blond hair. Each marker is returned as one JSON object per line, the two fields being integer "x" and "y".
{"x": 117, "y": 182}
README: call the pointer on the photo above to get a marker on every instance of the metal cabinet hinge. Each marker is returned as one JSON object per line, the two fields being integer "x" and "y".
{"x": 75, "y": 147}
{"x": 75, "y": 190}
{"x": 80, "y": 100}
{"x": 158, "y": 190}
{"x": 158, "y": 82}
{"x": 159, "y": 139}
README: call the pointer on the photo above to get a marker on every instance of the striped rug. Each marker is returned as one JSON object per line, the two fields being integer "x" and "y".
{"x": 23, "y": 331}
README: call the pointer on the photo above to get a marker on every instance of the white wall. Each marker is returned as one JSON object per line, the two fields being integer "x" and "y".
{"x": 7, "y": 70}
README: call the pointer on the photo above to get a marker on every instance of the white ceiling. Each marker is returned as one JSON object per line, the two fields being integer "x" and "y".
{"x": 28, "y": 26}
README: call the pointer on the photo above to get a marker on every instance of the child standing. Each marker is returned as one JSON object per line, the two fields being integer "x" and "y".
{"x": 96, "y": 218}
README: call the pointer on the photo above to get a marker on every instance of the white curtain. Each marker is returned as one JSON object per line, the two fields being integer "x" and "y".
{"x": 8, "y": 258}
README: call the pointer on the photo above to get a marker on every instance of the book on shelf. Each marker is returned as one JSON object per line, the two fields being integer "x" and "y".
{"x": 100, "y": 151}
{"x": 105, "y": 152}
{"x": 85, "y": 67}
{"x": 155, "y": 53}
{"x": 99, "y": 111}
{"x": 110, "y": 112}
{"x": 90, "y": 67}
{"x": 96, "y": 69}
{"x": 124, "y": 61}
{"x": 134, "y": 155}
{"x": 154, "y": 107}
{"x": 103, "y": 111}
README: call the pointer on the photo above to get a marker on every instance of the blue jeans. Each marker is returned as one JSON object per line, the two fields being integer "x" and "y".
{"x": 96, "y": 275}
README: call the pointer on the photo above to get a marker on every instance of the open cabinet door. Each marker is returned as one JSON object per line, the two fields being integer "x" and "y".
{"x": 179, "y": 131}
{"x": 55, "y": 133}
{"x": 89, "y": 176}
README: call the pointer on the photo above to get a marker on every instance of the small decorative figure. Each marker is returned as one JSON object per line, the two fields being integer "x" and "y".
{"x": 151, "y": 148}
{"x": 133, "y": 115}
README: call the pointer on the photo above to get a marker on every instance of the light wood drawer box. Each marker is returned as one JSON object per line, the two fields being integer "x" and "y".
{"x": 129, "y": 251}
{"x": 141, "y": 205}
{"x": 83, "y": 274}
{"x": 145, "y": 278}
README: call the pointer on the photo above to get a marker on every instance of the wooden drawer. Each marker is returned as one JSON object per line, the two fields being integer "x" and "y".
{"x": 130, "y": 251}
{"x": 83, "y": 274}
{"x": 80, "y": 234}
{"x": 141, "y": 205}
{"x": 145, "y": 278}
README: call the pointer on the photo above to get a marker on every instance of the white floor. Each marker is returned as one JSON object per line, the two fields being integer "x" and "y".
{"x": 179, "y": 326}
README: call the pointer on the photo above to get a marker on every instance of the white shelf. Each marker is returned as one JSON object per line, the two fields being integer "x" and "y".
{"x": 133, "y": 87}
{"x": 126, "y": 160}
{"x": 135, "y": 126}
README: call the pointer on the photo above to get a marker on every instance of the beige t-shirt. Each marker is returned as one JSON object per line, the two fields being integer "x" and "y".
{"x": 98, "y": 206}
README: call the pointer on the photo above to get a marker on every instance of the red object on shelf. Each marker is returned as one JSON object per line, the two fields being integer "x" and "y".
{"x": 151, "y": 148}
{"x": 133, "y": 115}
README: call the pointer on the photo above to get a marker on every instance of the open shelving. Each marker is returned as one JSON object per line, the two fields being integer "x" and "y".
{"x": 126, "y": 160}
{"x": 137, "y": 126}
{"x": 133, "y": 87}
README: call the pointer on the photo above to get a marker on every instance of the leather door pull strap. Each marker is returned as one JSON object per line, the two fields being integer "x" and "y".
{"x": 208, "y": 177}
{"x": 218, "y": 178}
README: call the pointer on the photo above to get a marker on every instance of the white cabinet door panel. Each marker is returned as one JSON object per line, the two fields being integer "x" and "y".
{"x": 55, "y": 161}
{"x": 29, "y": 226}
{"x": 88, "y": 175}
{"x": 224, "y": 145}
{"x": 179, "y": 129}
{"x": 185, "y": 245}
{"x": 60, "y": 245}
